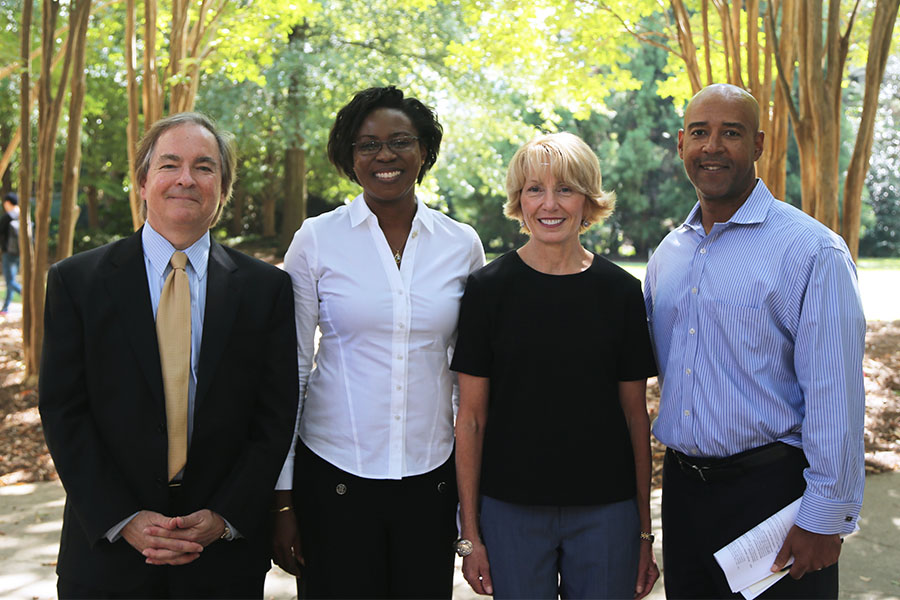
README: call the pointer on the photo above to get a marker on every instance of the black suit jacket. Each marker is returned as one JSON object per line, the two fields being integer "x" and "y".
{"x": 103, "y": 408}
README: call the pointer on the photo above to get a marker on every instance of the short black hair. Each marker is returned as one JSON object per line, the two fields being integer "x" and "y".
{"x": 350, "y": 118}
{"x": 12, "y": 198}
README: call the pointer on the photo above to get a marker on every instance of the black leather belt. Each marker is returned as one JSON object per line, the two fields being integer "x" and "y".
{"x": 709, "y": 470}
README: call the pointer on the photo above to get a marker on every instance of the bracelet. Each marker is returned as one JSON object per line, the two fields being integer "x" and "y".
{"x": 283, "y": 509}
{"x": 648, "y": 536}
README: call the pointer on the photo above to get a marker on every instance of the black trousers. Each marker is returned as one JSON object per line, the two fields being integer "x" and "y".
{"x": 374, "y": 538}
{"x": 700, "y": 517}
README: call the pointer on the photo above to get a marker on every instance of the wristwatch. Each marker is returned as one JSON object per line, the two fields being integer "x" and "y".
{"x": 463, "y": 547}
{"x": 646, "y": 535}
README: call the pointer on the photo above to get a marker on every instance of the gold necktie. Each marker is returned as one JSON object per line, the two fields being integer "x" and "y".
{"x": 173, "y": 333}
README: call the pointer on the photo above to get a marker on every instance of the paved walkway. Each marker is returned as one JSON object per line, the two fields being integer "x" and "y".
{"x": 31, "y": 516}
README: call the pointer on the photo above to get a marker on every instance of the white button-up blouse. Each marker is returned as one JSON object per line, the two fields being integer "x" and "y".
{"x": 377, "y": 397}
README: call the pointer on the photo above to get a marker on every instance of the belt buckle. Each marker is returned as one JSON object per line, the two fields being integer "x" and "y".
{"x": 700, "y": 471}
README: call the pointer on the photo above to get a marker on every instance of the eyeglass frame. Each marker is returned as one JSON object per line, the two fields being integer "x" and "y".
{"x": 381, "y": 144}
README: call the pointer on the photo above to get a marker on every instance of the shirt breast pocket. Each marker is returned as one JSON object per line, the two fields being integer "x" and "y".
{"x": 746, "y": 331}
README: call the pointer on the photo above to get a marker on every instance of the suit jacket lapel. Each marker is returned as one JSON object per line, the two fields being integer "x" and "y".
{"x": 222, "y": 298}
{"x": 126, "y": 282}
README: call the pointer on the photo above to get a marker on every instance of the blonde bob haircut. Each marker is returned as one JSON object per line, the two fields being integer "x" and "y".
{"x": 570, "y": 161}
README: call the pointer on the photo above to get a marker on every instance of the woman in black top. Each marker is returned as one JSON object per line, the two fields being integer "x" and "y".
{"x": 553, "y": 355}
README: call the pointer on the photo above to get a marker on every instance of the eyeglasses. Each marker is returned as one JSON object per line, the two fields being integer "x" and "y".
{"x": 398, "y": 144}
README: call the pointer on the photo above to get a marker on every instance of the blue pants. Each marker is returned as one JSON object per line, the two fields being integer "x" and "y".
{"x": 569, "y": 551}
{"x": 10, "y": 269}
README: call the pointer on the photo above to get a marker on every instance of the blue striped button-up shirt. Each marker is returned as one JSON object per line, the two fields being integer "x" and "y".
{"x": 759, "y": 334}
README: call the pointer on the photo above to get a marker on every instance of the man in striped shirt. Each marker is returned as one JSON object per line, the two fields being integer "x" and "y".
{"x": 759, "y": 334}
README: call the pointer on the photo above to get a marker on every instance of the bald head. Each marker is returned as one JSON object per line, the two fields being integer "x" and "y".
{"x": 727, "y": 93}
{"x": 719, "y": 145}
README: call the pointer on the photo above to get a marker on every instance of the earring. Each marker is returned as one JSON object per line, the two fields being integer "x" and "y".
{"x": 585, "y": 223}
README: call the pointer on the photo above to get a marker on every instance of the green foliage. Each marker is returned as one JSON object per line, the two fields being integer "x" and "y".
{"x": 636, "y": 145}
{"x": 560, "y": 53}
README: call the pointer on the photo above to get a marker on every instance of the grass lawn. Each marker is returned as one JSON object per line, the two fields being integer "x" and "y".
{"x": 879, "y": 285}
{"x": 879, "y": 263}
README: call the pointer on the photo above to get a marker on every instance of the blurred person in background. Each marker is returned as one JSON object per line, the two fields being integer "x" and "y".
{"x": 9, "y": 246}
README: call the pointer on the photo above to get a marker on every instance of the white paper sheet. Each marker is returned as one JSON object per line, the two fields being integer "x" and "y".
{"x": 748, "y": 559}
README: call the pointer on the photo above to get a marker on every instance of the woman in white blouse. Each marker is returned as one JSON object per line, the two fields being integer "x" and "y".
{"x": 366, "y": 502}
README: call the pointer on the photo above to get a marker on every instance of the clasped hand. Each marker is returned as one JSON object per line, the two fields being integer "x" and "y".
{"x": 173, "y": 540}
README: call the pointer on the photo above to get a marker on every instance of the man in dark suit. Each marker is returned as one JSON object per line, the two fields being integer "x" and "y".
{"x": 168, "y": 497}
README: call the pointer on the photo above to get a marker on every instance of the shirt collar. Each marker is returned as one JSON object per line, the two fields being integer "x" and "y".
{"x": 159, "y": 251}
{"x": 360, "y": 211}
{"x": 752, "y": 211}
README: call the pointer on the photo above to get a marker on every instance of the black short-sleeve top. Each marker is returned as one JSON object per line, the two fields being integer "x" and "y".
{"x": 555, "y": 348}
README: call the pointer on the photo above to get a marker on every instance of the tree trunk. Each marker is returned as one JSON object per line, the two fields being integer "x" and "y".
{"x": 17, "y": 136}
{"x": 177, "y": 52}
{"x": 68, "y": 214}
{"x": 776, "y": 174}
{"x": 686, "y": 42}
{"x": 152, "y": 94}
{"x": 49, "y": 108}
{"x": 752, "y": 7}
{"x": 6, "y": 183}
{"x": 829, "y": 121}
{"x": 294, "y": 193}
{"x": 236, "y": 225}
{"x": 809, "y": 127}
{"x": 879, "y": 49}
{"x": 731, "y": 41}
{"x": 268, "y": 212}
{"x": 25, "y": 255}
{"x": 765, "y": 97}
{"x": 707, "y": 51}
{"x": 10, "y": 150}
{"x": 93, "y": 207}
{"x": 132, "y": 131}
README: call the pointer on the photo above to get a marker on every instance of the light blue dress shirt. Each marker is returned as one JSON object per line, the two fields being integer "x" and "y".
{"x": 759, "y": 335}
